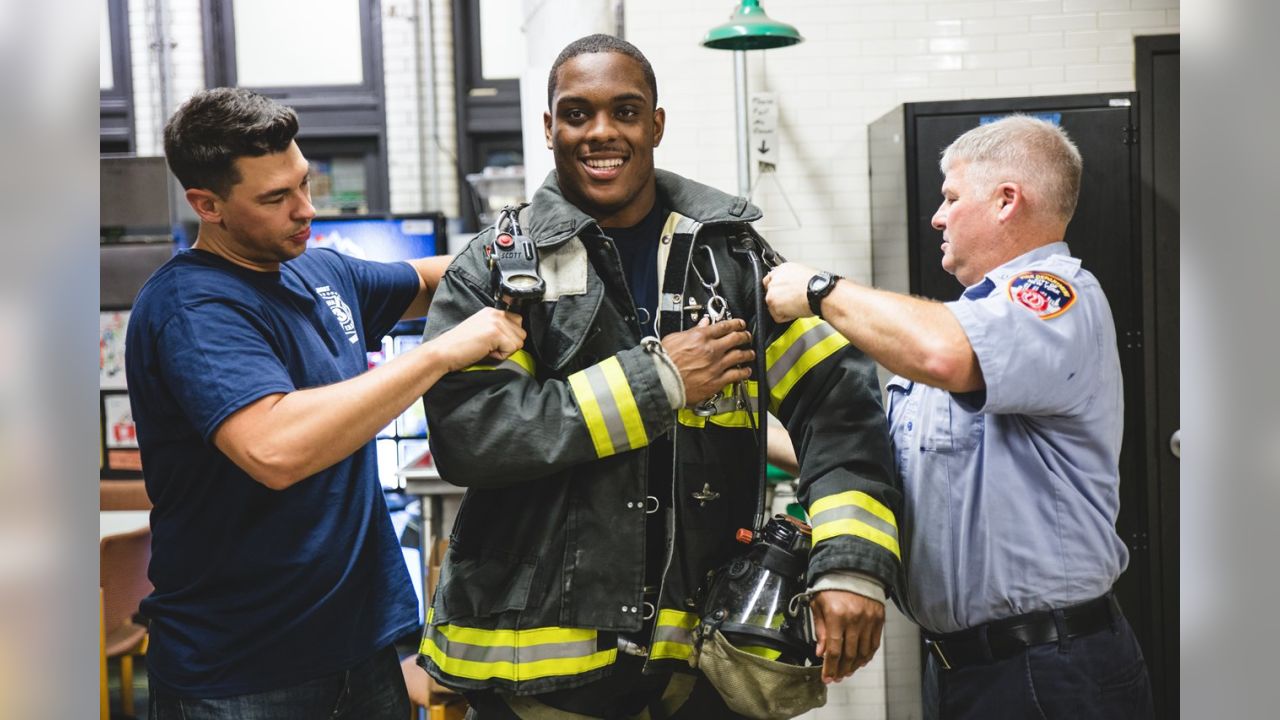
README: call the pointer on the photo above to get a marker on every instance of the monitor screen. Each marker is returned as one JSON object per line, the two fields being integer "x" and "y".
{"x": 381, "y": 238}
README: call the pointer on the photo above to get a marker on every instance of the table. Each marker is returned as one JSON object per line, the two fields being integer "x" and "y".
{"x": 118, "y": 522}
{"x": 422, "y": 480}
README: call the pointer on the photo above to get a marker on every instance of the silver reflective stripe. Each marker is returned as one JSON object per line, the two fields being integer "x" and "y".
{"x": 729, "y": 403}
{"x": 608, "y": 408}
{"x": 853, "y": 512}
{"x": 505, "y": 653}
{"x": 673, "y": 634}
{"x": 512, "y": 365}
{"x": 810, "y": 338}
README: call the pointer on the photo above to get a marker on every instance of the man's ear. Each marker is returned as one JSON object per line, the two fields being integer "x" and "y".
{"x": 206, "y": 203}
{"x": 546, "y": 128}
{"x": 659, "y": 124}
{"x": 1010, "y": 199}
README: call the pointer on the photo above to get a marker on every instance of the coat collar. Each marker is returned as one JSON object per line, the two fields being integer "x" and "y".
{"x": 555, "y": 219}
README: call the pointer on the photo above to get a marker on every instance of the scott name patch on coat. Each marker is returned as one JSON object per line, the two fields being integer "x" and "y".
{"x": 1044, "y": 294}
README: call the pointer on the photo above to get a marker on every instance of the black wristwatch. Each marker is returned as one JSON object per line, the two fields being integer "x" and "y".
{"x": 820, "y": 286}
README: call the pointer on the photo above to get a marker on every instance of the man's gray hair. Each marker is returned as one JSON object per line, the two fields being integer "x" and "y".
{"x": 1034, "y": 153}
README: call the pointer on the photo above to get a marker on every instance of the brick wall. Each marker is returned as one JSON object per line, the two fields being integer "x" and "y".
{"x": 413, "y": 140}
{"x": 183, "y": 34}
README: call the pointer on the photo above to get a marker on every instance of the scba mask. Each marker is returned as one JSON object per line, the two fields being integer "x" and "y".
{"x": 754, "y": 642}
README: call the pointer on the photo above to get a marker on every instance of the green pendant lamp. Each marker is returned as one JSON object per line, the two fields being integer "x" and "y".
{"x": 749, "y": 28}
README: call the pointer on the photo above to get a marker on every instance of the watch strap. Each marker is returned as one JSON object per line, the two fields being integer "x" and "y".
{"x": 816, "y": 296}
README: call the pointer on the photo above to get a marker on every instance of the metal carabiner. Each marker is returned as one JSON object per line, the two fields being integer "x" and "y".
{"x": 715, "y": 271}
{"x": 717, "y": 307}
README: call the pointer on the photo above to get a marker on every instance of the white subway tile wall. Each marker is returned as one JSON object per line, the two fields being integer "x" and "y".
{"x": 859, "y": 60}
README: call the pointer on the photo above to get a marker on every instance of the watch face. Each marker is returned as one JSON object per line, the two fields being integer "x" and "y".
{"x": 819, "y": 282}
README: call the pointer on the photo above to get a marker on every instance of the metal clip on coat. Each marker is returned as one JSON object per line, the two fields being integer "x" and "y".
{"x": 513, "y": 263}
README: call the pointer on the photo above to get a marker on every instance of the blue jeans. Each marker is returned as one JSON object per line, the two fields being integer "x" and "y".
{"x": 1101, "y": 676}
{"x": 373, "y": 689}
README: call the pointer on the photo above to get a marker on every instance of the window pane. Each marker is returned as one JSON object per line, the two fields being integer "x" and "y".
{"x": 501, "y": 41}
{"x": 106, "y": 79}
{"x": 281, "y": 43}
{"x": 338, "y": 185}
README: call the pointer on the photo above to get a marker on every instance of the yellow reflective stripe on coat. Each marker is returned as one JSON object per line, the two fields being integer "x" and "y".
{"x": 854, "y": 513}
{"x": 807, "y": 342}
{"x": 520, "y": 361}
{"x": 767, "y": 653}
{"x": 728, "y": 414}
{"x": 609, "y": 408}
{"x": 515, "y": 655}
{"x": 673, "y": 635}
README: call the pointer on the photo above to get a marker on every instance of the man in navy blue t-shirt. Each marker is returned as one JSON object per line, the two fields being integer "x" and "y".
{"x": 279, "y": 582}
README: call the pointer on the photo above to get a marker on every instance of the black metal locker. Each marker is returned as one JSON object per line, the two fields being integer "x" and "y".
{"x": 905, "y": 146}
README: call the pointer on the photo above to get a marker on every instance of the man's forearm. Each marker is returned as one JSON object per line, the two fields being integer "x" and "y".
{"x": 918, "y": 339}
{"x": 282, "y": 439}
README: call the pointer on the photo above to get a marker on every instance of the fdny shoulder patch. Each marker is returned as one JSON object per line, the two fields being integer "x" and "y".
{"x": 1044, "y": 294}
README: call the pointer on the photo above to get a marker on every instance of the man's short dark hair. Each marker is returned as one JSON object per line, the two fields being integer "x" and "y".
{"x": 596, "y": 44}
{"x": 205, "y": 136}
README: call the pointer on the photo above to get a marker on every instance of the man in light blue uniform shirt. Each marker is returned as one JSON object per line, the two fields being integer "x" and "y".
{"x": 1007, "y": 417}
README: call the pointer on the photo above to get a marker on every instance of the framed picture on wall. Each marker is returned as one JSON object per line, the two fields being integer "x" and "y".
{"x": 121, "y": 456}
{"x": 111, "y": 329}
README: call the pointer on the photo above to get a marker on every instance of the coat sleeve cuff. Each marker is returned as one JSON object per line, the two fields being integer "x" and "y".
{"x": 849, "y": 581}
{"x": 672, "y": 383}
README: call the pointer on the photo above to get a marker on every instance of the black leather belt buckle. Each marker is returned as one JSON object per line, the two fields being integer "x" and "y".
{"x": 1002, "y": 639}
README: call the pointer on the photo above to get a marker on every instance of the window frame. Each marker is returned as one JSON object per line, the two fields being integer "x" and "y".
{"x": 488, "y": 111}
{"x": 352, "y": 115}
{"x": 115, "y": 106}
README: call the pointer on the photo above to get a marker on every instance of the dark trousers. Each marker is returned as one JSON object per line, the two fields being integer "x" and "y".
{"x": 1100, "y": 676}
{"x": 373, "y": 689}
{"x": 624, "y": 695}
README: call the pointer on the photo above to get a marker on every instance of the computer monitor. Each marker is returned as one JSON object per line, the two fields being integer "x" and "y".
{"x": 385, "y": 238}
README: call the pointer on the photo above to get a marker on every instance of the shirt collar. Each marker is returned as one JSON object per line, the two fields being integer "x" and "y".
{"x": 1000, "y": 274}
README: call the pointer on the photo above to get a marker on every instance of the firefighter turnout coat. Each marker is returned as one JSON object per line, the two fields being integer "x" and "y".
{"x": 546, "y": 558}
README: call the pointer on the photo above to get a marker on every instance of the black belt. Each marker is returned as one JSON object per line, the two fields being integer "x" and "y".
{"x": 1004, "y": 638}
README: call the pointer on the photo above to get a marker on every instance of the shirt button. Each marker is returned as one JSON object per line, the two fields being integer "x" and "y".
{"x": 908, "y": 425}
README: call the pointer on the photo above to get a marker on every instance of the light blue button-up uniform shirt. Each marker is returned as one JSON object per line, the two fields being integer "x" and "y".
{"x": 1012, "y": 491}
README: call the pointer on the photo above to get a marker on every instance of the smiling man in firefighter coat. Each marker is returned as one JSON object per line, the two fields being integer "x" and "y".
{"x": 609, "y": 463}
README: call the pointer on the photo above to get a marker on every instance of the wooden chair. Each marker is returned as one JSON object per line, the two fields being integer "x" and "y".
{"x": 104, "y": 702}
{"x": 123, "y": 495}
{"x": 123, "y": 579}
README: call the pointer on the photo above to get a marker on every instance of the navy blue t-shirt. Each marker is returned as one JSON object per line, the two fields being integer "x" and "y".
{"x": 638, "y": 251}
{"x": 258, "y": 589}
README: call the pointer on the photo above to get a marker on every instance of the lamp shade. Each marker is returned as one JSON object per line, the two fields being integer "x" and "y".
{"x": 749, "y": 28}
